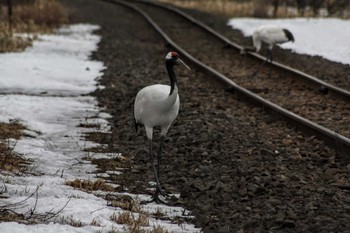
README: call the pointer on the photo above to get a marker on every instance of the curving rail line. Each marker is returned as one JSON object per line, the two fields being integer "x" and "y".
{"x": 332, "y": 89}
{"x": 333, "y": 139}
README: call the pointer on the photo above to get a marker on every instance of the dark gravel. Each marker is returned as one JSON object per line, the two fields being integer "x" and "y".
{"x": 237, "y": 168}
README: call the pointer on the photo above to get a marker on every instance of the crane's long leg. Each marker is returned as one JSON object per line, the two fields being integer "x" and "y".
{"x": 158, "y": 191}
{"x": 269, "y": 55}
{"x": 154, "y": 167}
{"x": 259, "y": 68}
{"x": 268, "y": 59}
{"x": 159, "y": 154}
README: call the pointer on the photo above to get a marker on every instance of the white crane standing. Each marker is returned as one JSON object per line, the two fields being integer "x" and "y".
{"x": 270, "y": 35}
{"x": 158, "y": 106}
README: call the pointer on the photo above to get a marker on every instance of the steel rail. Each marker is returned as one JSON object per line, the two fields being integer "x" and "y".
{"x": 331, "y": 138}
{"x": 331, "y": 88}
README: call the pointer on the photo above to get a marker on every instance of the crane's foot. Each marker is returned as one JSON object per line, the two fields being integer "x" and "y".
{"x": 157, "y": 198}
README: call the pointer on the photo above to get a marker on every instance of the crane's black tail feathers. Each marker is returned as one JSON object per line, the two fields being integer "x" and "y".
{"x": 136, "y": 125}
{"x": 135, "y": 121}
{"x": 289, "y": 35}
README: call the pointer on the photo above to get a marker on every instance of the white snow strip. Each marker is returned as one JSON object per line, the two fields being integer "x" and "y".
{"x": 67, "y": 71}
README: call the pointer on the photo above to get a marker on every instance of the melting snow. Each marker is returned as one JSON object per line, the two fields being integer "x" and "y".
{"x": 42, "y": 88}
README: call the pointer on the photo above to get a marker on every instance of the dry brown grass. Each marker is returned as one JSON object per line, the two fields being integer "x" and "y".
{"x": 257, "y": 8}
{"x": 124, "y": 202}
{"x": 226, "y": 8}
{"x": 88, "y": 185}
{"x": 35, "y": 16}
{"x": 95, "y": 223}
{"x": 70, "y": 220}
{"x": 41, "y": 15}
{"x": 8, "y": 42}
{"x": 9, "y": 160}
{"x": 11, "y": 130}
{"x": 7, "y": 216}
{"x": 159, "y": 214}
{"x": 133, "y": 222}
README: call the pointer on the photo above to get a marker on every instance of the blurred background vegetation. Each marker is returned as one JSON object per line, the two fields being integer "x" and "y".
{"x": 37, "y": 16}
{"x": 270, "y": 8}
{"x": 28, "y": 16}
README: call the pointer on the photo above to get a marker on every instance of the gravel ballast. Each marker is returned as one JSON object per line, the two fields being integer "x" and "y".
{"x": 237, "y": 168}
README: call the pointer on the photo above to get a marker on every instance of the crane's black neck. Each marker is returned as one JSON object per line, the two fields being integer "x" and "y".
{"x": 173, "y": 81}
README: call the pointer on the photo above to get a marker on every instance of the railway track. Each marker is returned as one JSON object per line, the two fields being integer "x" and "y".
{"x": 297, "y": 73}
{"x": 235, "y": 167}
{"x": 289, "y": 93}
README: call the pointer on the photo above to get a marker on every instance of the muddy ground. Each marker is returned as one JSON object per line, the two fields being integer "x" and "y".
{"x": 236, "y": 168}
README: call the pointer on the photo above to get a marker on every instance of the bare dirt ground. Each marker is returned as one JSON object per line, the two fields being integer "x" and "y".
{"x": 236, "y": 168}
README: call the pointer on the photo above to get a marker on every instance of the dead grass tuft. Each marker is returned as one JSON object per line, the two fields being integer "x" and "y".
{"x": 124, "y": 202}
{"x": 133, "y": 222}
{"x": 7, "y": 216}
{"x": 159, "y": 214}
{"x": 9, "y": 160}
{"x": 88, "y": 185}
{"x": 96, "y": 223}
{"x": 9, "y": 42}
{"x": 11, "y": 130}
{"x": 72, "y": 222}
{"x": 36, "y": 16}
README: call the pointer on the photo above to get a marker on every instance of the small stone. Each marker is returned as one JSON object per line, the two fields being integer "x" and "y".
{"x": 287, "y": 224}
{"x": 348, "y": 166}
{"x": 287, "y": 142}
{"x": 248, "y": 208}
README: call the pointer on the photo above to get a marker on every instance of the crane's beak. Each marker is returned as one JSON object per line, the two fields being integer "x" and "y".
{"x": 179, "y": 61}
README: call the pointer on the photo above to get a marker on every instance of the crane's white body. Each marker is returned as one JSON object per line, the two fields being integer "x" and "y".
{"x": 158, "y": 106}
{"x": 155, "y": 107}
{"x": 271, "y": 35}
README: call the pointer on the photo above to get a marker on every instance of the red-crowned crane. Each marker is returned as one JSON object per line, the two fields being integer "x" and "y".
{"x": 270, "y": 35}
{"x": 158, "y": 106}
